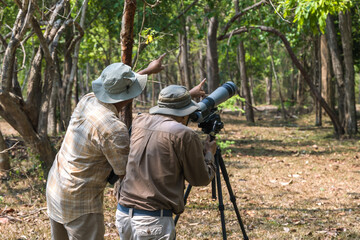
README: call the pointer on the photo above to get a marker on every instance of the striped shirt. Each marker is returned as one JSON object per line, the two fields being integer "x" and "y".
{"x": 96, "y": 142}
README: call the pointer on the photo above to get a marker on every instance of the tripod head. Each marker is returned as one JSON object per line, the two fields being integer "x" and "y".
{"x": 212, "y": 124}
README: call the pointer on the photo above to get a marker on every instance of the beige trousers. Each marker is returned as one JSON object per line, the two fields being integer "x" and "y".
{"x": 87, "y": 227}
{"x": 144, "y": 227}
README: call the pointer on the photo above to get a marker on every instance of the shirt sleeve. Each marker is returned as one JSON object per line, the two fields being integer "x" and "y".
{"x": 198, "y": 169}
{"x": 115, "y": 147}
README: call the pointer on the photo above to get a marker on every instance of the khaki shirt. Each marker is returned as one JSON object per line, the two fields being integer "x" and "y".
{"x": 95, "y": 142}
{"x": 163, "y": 153}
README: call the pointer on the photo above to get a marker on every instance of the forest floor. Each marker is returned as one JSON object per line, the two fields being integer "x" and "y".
{"x": 292, "y": 180}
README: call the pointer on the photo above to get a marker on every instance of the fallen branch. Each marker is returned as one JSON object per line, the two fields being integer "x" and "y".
{"x": 6, "y": 150}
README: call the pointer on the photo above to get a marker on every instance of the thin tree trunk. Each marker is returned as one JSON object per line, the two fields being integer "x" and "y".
{"x": 127, "y": 41}
{"x": 292, "y": 85}
{"x": 268, "y": 81}
{"x": 87, "y": 79}
{"x": 317, "y": 78}
{"x": 4, "y": 157}
{"x": 202, "y": 61}
{"x": 277, "y": 81}
{"x": 251, "y": 81}
{"x": 184, "y": 60}
{"x": 300, "y": 85}
{"x": 349, "y": 77}
{"x": 249, "y": 113}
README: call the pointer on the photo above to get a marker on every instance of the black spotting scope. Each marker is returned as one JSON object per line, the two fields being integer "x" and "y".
{"x": 221, "y": 94}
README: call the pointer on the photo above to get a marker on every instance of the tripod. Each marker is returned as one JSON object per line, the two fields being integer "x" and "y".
{"x": 219, "y": 163}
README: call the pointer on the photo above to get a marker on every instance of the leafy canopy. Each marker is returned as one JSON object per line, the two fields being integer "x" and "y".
{"x": 313, "y": 12}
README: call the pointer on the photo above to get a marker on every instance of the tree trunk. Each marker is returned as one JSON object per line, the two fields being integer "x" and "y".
{"x": 337, "y": 67}
{"x": 249, "y": 113}
{"x": 349, "y": 77}
{"x": 292, "y": 85}
{"x": 317, "y": 78}
{"x": 300, "y": 85}
{"x": 4, "y": 157}
{"x": 127, "y": 41}
{"x": 202, "y": 63}
{"x": 251, "y": 81}
{"x": 277, "y": 81}
{"x": 184, "y": 60}
{"x": 326, "y": 84}
{"x": 73, "y": 63}
{"x": 268, "y": 81}
{"x": 212, "y": 64}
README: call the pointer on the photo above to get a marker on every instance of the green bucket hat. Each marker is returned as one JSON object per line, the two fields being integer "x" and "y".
{"x": 117, "y": 83}
{"x": 176, "y": 101}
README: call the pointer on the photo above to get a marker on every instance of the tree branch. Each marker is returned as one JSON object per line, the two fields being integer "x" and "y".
{"x": 240, "y": 14}
{"x": 152, "y": 5}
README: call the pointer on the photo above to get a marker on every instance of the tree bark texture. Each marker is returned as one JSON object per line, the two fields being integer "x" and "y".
{"x": 127, "y": 41}
{"x": 337, "y": 66}
{"x": 212, "y": 64}
{"x": 326, "y": 83}
{"x": 4, "y": 157}
{"x": 349, "y": 77}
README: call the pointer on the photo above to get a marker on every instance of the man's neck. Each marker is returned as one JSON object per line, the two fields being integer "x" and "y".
{"x": 121, "y": 105}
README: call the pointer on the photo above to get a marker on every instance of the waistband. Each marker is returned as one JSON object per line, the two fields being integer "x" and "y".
{"x": 139, "y": 212}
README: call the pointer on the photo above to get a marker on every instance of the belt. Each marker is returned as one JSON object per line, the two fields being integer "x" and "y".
{"x": 139, "y": 212}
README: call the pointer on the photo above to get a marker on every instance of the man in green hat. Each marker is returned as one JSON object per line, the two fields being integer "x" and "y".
{"x": 164, "y": 152}
{"x": 96, "y": 142}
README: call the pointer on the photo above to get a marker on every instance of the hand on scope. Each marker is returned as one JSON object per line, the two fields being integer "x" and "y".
{"x": 197, "y": 91}
{"x": 154, "y": 67}
{"x": 210, "y": 146}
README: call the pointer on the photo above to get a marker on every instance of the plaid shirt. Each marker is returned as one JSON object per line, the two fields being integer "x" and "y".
{"x": 96, "y": 141}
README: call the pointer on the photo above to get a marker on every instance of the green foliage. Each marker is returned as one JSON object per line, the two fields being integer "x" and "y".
{"x": 224, "y": 145}
{"x": 312, "y": 12}
{"x": 231, "y": 103}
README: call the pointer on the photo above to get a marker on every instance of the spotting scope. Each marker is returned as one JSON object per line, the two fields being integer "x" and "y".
{"x": 221, "y": 94}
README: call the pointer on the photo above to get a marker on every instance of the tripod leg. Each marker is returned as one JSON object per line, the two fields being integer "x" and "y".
{"x": 220, "y": 198}
{"x": 186, "y": 195}
{"x": 231, "y": 193}
{"x": 213, "y": 189}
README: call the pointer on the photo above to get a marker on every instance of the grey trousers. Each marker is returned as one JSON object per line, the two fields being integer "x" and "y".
{"x": 144, "y": 227}
{"x": 87, "y": 227}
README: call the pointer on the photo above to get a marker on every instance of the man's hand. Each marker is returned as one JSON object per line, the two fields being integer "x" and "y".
{"x": 197, "y": 91}
{"x": 154, "y": 67}
{"x": 210, "y": 146}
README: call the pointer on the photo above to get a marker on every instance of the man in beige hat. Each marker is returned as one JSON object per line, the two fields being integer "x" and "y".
{"x": 164, "y": 153}
{"x": 96, "y": 142}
